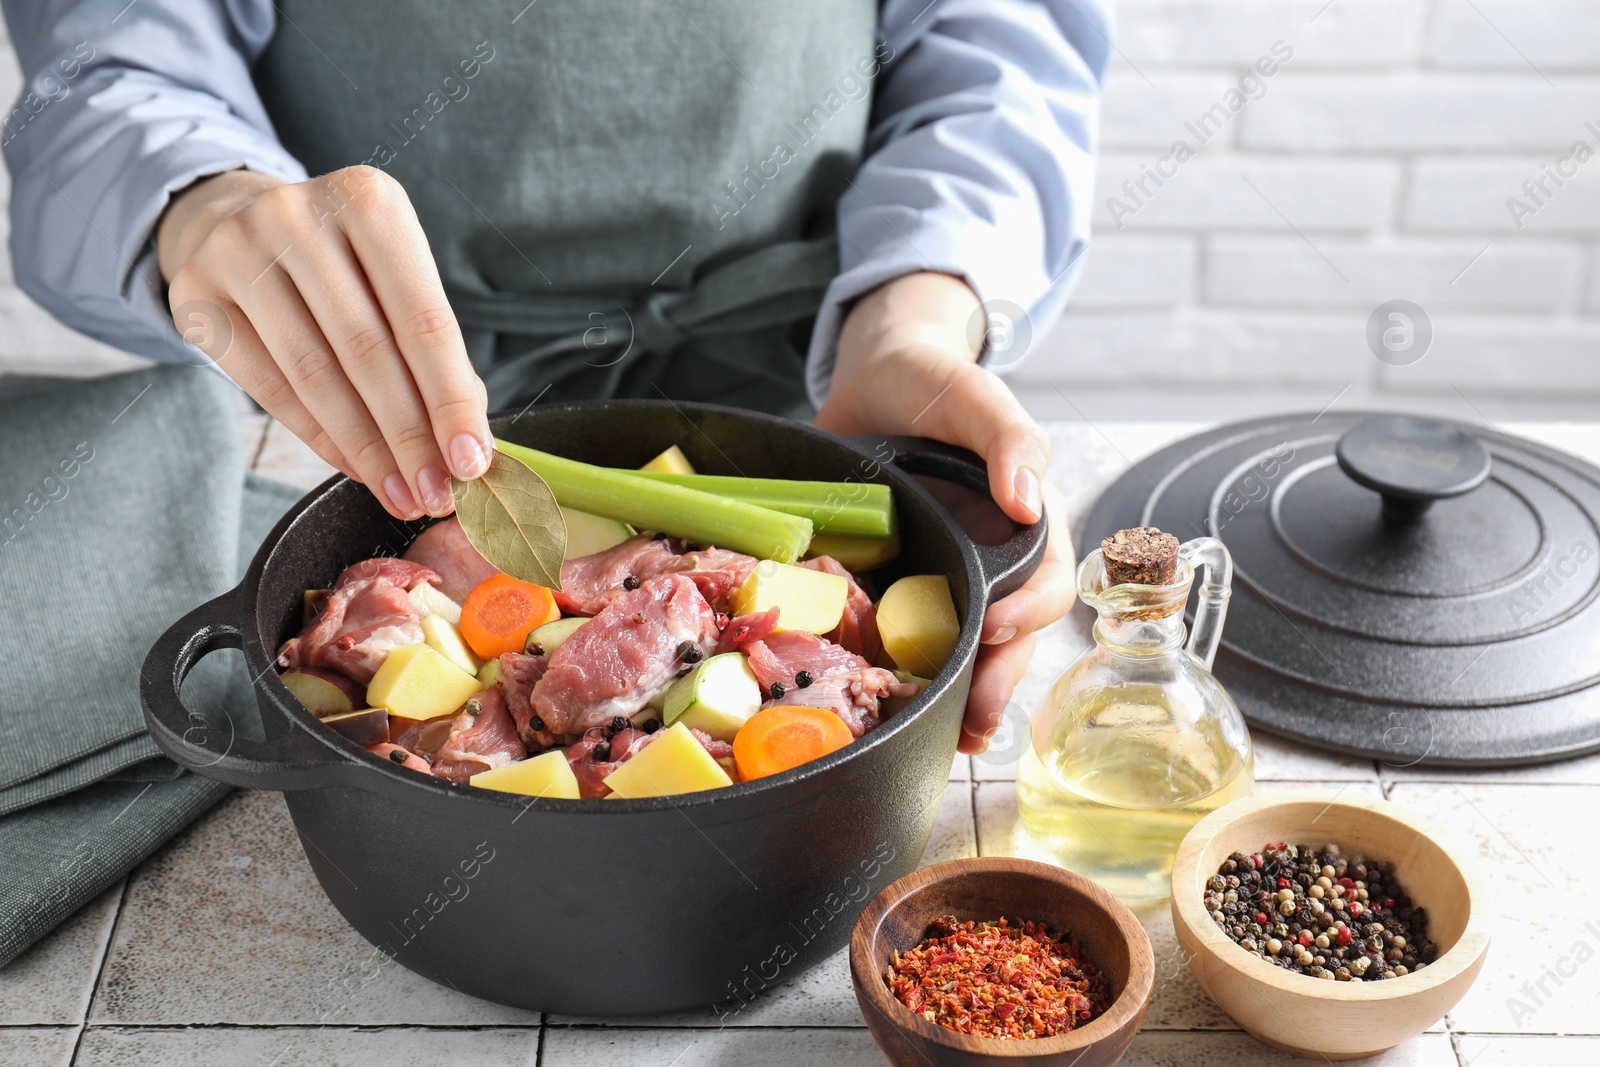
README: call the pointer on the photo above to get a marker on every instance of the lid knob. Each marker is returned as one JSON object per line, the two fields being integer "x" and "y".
{"x": 1412, "y": 462}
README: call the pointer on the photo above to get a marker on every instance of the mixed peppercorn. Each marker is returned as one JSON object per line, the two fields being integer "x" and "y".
{"x": 995, "y": 979}
{"x": 1317, "y": 913}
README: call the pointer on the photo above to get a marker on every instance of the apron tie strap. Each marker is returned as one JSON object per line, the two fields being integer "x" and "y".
{"x": 773, "y": 286}
{"x": 654, "y": 329}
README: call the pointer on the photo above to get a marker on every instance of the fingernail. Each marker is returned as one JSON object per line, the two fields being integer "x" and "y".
{"x": 1026, "y": 484}
{"x": 466, "y": 456}
{"x": 434, "y": 484}
{"x": 394, "y": 487}
{"x": 1001, "y": 636}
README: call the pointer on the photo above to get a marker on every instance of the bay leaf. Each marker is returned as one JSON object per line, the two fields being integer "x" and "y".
{"x": 510, "y": 516}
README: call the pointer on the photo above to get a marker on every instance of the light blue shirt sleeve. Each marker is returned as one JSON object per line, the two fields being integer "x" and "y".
{"x": 121, "y": 107}
{"x": 980, "y": 158}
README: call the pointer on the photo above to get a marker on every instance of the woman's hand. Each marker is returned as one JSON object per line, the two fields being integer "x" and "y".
{"x": 336, "y": 323}
{"x": 906, "y": 365}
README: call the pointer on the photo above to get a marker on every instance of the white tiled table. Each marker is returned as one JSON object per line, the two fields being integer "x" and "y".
{"x": 222, "y": 950}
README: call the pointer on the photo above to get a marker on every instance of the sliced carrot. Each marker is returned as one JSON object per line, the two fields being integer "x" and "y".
{"x": 786, "y": 736}
{"x": 500, "y": 613}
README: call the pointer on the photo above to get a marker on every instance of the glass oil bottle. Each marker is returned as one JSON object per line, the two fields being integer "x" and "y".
{"x": 1137, "y": 741}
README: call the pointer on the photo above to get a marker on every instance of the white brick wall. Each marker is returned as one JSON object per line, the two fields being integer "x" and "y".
{"x": 1375, "y": 166}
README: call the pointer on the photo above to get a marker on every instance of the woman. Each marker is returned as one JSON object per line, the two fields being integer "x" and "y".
{"x": 763, "y": 203}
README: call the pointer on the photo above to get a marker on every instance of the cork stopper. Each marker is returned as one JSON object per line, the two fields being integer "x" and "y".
{"x": 1142, "y": 555}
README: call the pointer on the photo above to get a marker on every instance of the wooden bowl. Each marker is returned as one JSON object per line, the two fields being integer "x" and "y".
{"x": 989, "y": 888}
{"x": 1314, "y": 1016}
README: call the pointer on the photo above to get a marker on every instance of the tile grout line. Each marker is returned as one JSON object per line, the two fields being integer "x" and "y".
{"x": 972, "y": 810}
{"x": 667, "y": 1028}
{"x": 100, "y": 966}
{"x": 1479, "y": 783}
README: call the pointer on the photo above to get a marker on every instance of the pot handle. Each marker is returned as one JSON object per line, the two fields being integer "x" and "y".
{"x": 294, "y": 760}
{"x": 1006, "y": 566}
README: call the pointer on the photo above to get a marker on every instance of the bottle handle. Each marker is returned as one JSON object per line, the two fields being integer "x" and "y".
{"x": 1215, "y": 589}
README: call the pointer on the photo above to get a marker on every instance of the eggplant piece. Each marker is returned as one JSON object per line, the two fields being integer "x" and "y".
{"x": 324, "y": 692}
{"x": 369, "y": 726}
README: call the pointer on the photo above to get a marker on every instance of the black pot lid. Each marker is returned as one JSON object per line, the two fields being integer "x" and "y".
{"x": 1408, "y": 589}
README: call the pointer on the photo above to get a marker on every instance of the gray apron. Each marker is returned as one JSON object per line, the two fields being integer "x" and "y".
{"x": 624, "y": 197}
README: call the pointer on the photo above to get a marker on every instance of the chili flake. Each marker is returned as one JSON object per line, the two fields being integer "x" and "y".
{"x": 998, "y": 980}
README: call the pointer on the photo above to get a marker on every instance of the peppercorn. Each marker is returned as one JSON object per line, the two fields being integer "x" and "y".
{"x": 602, "y": 752}
{"x": 536, "y": 724}
{"x": 399, "y": 755}
{"x": 1318, "y": 913}
{"x": 532, "y": 648}
{"x": 802, "y": 679}
{"x": 651, "y": 726}
{"x": 689, "y": 652}
{"x": 618, "y": 724}
{"x": 630, "y": 583}
{"x": 775, "y": 691}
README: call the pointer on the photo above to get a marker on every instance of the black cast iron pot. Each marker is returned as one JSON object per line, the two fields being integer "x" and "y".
{"x": 599, "y": 907}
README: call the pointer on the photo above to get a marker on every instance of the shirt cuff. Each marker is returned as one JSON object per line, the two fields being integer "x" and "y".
{"x": 112, "y": 186}
{"x": 897, "y": 241}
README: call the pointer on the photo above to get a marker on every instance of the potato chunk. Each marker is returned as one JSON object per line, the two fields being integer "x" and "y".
{"x": 429, "y": 601}
{"x": 545, "y": 775}
{"x": 671, "y": 461}
{"x": 855, "y": 554}
{"x": 444, "y": 637}
{"x": 918, "y": 624}
{"x": 807, "y": 600}
{"x": 671, "y": 764}
{"x": 417, "y": 682}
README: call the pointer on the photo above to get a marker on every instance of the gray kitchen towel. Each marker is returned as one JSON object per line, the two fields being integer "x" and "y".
{"x": 123, "y": 504}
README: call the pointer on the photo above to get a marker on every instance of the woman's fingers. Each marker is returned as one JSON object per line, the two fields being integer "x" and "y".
{"x": 994, "y": 679}
{"x": 1048, "y": 594}
{"x": 330, "y": 281}
{"x": 389, "y": 243}
{"x": 301, "y": 355}
{"x": 359, "y": 351}
{"x": 973, "y": 408}
{"x": 249, "y": 363}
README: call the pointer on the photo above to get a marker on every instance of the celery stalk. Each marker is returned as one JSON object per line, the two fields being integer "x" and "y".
{"x": 670, "y": 509}
{"x": 857, "y": 509}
